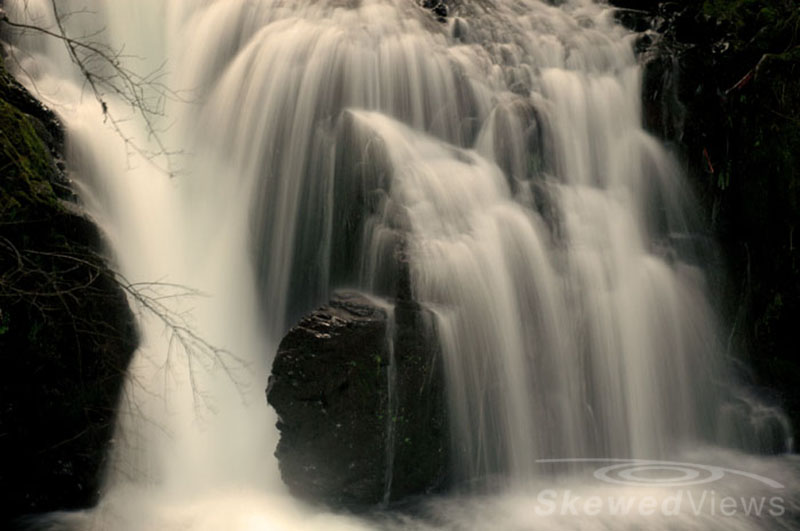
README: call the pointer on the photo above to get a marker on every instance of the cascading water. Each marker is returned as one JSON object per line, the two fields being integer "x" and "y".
{"x": 501, "y": 153}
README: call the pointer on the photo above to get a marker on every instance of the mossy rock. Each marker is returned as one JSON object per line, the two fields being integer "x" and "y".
{"x": 25, "y": 163}
{"x": 66, "y": 331}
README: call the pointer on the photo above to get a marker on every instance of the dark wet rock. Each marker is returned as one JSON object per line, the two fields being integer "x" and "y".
{"x": 634, "y": 19}
{"x": 355, "y": 426}
{"x": 66, "y": 331}
{"x": 437, "y": 7}
{"x": 639, "y": 5}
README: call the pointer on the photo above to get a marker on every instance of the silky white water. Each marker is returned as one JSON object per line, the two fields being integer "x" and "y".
{"x": 501, "y": 152}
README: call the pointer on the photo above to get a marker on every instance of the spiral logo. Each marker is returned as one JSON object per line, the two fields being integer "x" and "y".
{"x": 662, "y": 474}
{"x": 649, "y": 473}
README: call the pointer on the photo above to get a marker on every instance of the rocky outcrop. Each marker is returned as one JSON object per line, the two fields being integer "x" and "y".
{"x": 359, "y": 391}
{"x": 722, "y": 83}
{"x": 66, "y": 331}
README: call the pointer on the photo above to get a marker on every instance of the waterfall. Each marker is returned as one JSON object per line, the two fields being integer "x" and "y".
{"x": 501, "y": 152}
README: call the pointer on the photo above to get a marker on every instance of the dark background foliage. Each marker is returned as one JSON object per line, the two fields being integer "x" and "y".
{"x": 722, "y": 83}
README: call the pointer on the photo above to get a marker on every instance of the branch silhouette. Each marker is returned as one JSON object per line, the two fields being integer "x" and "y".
{"x": 106, "y": 75}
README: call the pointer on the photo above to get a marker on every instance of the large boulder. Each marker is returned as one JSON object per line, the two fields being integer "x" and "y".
{"x": 66, "y": 331}
{"x": 358, "y": 387}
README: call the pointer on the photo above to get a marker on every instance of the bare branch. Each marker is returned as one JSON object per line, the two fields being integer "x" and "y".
{"x": 199, "y": 353}
{"x": 105, "y": 74}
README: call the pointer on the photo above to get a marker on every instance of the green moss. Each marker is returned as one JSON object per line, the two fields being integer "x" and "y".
{"x": 25, "y": 162}
{"x": 27, "y": 198}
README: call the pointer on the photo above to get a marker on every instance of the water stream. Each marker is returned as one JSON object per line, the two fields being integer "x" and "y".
{"x": 502, "y": 151}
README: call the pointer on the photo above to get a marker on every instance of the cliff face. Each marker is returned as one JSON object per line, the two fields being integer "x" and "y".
{"x": 66, "y": 331}
{"x": 722, "y": 83}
